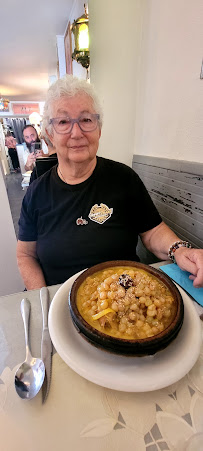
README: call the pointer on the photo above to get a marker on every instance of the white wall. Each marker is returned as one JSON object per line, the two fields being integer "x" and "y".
{"x": 115, "y": 30}
{"x": 169, "y": 119}
{"x": 145, "y": 63}
{"x": 10, "y": 280}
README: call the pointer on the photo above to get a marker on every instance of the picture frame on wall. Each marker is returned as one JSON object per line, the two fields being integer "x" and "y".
{"x": 68, "y": 49}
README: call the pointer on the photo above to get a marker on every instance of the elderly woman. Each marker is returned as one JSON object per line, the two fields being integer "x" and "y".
{"x": 88, "y": 209}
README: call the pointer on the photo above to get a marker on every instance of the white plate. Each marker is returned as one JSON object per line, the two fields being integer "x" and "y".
{"x": 130, "y": 374}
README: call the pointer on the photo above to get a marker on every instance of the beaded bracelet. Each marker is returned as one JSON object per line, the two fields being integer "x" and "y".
{"x": 176, "y": 246}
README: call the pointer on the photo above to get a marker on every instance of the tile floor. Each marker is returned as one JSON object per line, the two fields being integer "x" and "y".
{"x": 15, "y": 196}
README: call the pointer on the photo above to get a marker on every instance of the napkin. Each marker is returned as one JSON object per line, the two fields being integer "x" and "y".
{"x": 182, "y": 278}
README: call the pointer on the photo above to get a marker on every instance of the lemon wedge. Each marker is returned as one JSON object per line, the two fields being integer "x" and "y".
{"x": 102, "y": 313}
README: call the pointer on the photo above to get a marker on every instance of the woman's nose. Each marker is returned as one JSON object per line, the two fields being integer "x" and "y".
{"x": 76, "y": 130}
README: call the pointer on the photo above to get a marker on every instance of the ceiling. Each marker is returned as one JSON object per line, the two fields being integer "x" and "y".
{"x": 28, "y": 52}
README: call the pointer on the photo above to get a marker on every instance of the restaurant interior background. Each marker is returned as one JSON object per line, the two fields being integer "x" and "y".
{"x": 145, "y": 62}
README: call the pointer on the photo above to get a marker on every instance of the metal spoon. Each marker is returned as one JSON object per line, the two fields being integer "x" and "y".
{"x": 30, "y": 375}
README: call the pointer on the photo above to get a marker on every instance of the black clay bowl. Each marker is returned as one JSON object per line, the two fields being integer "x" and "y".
{"x": 137, "y": 347}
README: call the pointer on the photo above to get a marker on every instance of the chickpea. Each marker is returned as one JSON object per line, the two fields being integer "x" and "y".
{"x": 129, "y": 331}
{"x": 167, "y": 313}
{"x": 109, "y": 280}
{"x": 113, "y": 286}
{"x": 149, "y": 334}
{"x": 147, "y": 290}
{"x": 146, "y": 327}
{"x": 151, "y": 312}
{"x": 142, "y": 317}
{"x": 102, "y": 294}
{"x": 104, "y": 304}
{"x": 126, "y": 301}
{"x": 155, "y": 330}
{"x": 115, "y": 306}
{"x": 161, "y": 327}
{"x": 159, "y": 314}
{"x": 149, "y": 319}
{"x": 115, "y": 277}
{"x": 88, "y": 302}
{"x": 134, "y": 307}
{"x": 131, "y": 273}
{"x": 142, "y": 299}
{"x": 132, "y": 316}
{"x": 169, "y": 299}
{"x": 111, "y": 294}
{"x": 139, "y": 323}
{"x": 91, "y": 312}
{"x": 139, "y": 292}
{"x": 121, "y": 307}
{"x": 121, "y": 292}
{"x": 123, "y": 320}
{"x": 151, "y": 307}
{"x": 105, "y": 286}
{"x": 100, "y": 287}
{"x": 157, "y": 302}
{"x": 122, "y": 328}
{"x": 148, "y": 301}
{"x": 162, "y": 300}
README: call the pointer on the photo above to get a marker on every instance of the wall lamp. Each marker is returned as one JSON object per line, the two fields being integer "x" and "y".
{"x": 80, "y": 29}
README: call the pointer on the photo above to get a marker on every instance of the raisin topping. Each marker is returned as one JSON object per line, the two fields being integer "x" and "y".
{"x": 126, "y": 281}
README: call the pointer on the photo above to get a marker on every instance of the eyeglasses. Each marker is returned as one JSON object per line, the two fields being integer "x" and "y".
{"x": 87, "y": 123}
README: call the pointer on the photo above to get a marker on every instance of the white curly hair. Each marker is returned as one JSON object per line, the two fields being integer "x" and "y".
{"x": 68, "y": 86}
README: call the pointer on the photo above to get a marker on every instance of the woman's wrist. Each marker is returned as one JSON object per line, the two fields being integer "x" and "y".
{"x": 173, "y": 248}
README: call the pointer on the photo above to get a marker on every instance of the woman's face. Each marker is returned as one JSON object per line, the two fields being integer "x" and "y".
{"x": 76, "y": 146}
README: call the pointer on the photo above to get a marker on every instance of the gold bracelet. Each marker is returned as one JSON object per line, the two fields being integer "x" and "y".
{"x": 176, "y": 246}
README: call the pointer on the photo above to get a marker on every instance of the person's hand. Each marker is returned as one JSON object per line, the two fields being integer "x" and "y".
{"x": 30, "y": 161}
{"x": 39, "y": 153}
{"x": 191, "y": 260}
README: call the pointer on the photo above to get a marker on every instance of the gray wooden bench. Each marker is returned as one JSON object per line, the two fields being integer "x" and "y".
{"x": 176, "y": 188}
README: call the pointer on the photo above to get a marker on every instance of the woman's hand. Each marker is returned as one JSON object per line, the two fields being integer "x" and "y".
{"x": 159, "y": 239}
{"x": 191, "y": 260}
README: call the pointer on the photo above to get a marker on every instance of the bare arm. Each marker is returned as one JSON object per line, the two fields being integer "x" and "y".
{"x": 159, "y": 239}
{"x": 29, "y": 266}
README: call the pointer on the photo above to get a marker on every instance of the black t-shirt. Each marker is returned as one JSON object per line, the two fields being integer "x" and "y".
{"x": 77, "y": 226}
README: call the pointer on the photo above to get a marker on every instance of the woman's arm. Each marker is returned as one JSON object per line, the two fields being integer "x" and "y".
{"x": 29, "y": 266}
{"x": 158, "y": 241}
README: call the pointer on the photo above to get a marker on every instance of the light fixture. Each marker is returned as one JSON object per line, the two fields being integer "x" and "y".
{"x": 35, "y": 118}
{"x": 80, "y": 29}
{"x": 4, "y": 104}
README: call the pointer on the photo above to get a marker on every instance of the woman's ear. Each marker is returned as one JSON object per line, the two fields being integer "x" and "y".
{"x": 50, "y": 135}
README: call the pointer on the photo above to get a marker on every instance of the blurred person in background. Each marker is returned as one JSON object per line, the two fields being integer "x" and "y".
{"x": 10, "y": 142}
{"x": 51, "y": 154}
{"x": 30, "y": 153}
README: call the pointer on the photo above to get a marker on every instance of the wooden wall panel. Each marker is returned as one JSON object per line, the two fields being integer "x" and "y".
{"x": 176, "y": 188}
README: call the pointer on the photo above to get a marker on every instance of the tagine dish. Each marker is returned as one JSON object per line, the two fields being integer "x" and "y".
{"x": 111, "y": 304}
